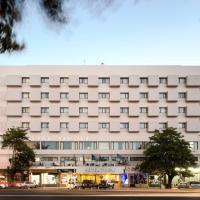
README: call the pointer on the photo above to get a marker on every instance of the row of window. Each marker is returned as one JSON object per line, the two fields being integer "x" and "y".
{"x": 103, "y": 110}
{"x": 104, "y": 125}
{"x": 103, "y": 95}
{"x": 96, "y": 145}
{"x": 106, "y": 80}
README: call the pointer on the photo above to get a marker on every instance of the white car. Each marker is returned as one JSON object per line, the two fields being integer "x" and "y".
{"x": 3, "y": 185}
{"x": 28, "y": 184}
{"x": 195, "y": 184}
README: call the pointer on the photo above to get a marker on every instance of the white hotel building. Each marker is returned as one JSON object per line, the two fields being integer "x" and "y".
{"x": 93, "y": 122}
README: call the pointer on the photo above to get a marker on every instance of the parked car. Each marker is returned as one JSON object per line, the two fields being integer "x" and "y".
{"x": 89, "y": 184}
{"x": 195, "y": 184}
{"x": 183, "y": 185}
{"x": 111, "y": 184}
{"x": 28, "y": 184}
{"x": 103, "y": 184}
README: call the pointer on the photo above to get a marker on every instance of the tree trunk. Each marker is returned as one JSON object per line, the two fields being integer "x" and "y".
{"x": 169, "y": 183}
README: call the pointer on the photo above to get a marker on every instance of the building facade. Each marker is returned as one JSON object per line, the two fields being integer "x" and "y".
{"x": 93, "y": 122}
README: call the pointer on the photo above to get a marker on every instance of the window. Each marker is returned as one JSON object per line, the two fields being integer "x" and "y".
{"x": 124, "y": 125}
{"x": 181, "y": 125}
{"x": 25, "y": 124}
{"x": 67, "y": 145}
{"x": 63, "y": 95}
{"x": 25, "y": 79}
{"x": 124, "y": 110}
{"x": 63, "y": 109}
{"x": 181, "y": 109}
{"x": 63, "y": 79}
{"x": 104, "y": 109}
{"x": 104, "y": 125}
{"x": 162, "y": 95}
{"x": 104, "y": 95}
{"x": 143, "y": 125}
{"x": 119, "y": 146}
{"x": 143, "y": 95}
{"x": 44, "y": 95}
{"x": 124, "y": 95}
{"x": 44, "y": 124}
{"x": 181, "y": 95}
{"x": 49, "y": 145}
{"x": 25, "y": 95}
{"x": 124, "y": 80}
{"x": 136, "y": 158}
{"x": 104, "y": 80}
{"x": 83, "y": 125}
{"x": 193, "y": 145}
{"x": 44, "y": 80}
{"x": 162, "y": 125}
{"x": 162, "y": 109}
{"x": 83, "y": 95}
{"x": 87, "y": 145}
{"x": 143, "y": 80}
{"x": 25, "y": 109}
{"x": 104, "y": 146}
{"x": 143, "y": 110}
{"x": 44, "y": 109}
{"x": 83, "y": 110}
{"x": 137, "y": 145}
{"x": 63, "y": 125}
{"x": 83, "y": 80}
{"x": 163, "y": 80}
{"x": 182, "y": 80}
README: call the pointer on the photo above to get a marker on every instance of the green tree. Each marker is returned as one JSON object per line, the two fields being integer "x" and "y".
{"x": 22, "y": 154}
{"x": 166, "y": 151}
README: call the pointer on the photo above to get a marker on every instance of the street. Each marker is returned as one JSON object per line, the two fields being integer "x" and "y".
{"x": 61, "y": 194}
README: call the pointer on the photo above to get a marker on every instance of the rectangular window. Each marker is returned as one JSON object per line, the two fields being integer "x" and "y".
{"x": 137, "y": 145}
{"x": 49, "y": 145}
{"x": 44, "y": 110}
{"x": 143, "y": 95}
{"x": 104, "y": 125}
{"x": 25, "y": 109}
{"x": 104, "y": 95}
{"x": 181, "y": 125}
{"x": 44, "y": 125}
{"x": 104, "y": 80}
{"x": 63, "y": 109}
{"x": 143, "y": 125}
{"x": 124, "y": 80}
{"x": 83, "y": 95}
{"x": 124, "y": 125}
{"x": 182, "y": 95}
{"x": 44, "y": 95}
{"x": 83, "y": 125}
{"x": 63, "y": 79}
{"x": 162, "y": 95}
{"x": 104, "y": 146}
{"x": 67, "y": 145}
{"x": 162, "y": 125}
{"x": 64, "y": 95}
{"x": 124, "y": 110}
{"x": 83, "y": 80}
{"x": 118, "y": 146}
{"x": 182, "y": 80}
{"x": 63, "y": 125}
{"x": 162, "y": 109}
{"x": 25, "y": 124}
{"x": 143, "y": 110}
{"x": 87, "y": 145}
{"x": 83, "y": 110}
{"x": 136, "y": 159}
{"x": 194, "y": 145}
{"x": 25, "y": 95}
{"x": 143, "y": 80}
{"x": 124, "y": 95}
{"x": 181, "y": 109}
{"x": 104, "y": 110}
{"x": 163, "y": 80}
{"x": 25, "y": 79}
{"x": 44, "y": 79}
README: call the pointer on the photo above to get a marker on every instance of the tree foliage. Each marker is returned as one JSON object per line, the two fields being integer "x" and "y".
{"x": 23, "y": 155}
{"x": 166, "y": 151}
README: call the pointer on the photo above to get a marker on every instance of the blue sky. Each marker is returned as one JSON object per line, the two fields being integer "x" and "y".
{"x": 149, "y": 32}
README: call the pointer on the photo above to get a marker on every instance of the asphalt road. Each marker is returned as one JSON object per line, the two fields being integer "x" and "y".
{"x": 52, "y": 194}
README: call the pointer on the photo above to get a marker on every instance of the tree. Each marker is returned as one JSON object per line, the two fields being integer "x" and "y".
{"x": 166, "y": 151}
{"x": 22, "y": 154}
{"x": 11, "y": 13}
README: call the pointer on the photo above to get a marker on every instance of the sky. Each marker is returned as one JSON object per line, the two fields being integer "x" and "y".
{"x": 131, "y": 32}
